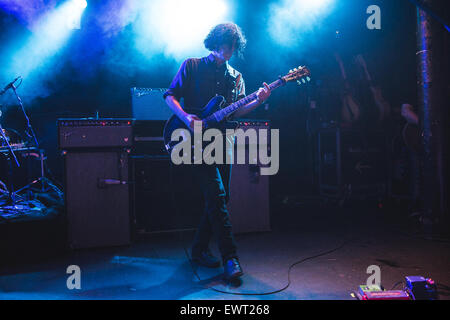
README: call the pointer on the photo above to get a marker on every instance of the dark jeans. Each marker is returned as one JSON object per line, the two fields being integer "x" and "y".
{"x": 215, "y": 222}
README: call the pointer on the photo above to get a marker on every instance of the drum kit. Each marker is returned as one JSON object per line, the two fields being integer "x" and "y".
{"x": 12, "y": 144}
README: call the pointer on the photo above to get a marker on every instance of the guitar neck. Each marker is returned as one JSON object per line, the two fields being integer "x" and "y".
{"x": 225, "y": 112}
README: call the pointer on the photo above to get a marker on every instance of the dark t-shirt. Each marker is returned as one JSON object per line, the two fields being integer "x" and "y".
{"x": 199, "y": 80}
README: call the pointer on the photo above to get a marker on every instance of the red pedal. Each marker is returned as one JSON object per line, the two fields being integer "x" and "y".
{"x": 376, "y": 293}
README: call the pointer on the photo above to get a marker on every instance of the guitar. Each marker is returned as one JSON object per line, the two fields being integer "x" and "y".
{"x": 214, "y": 114}
{"x": 350, "y": 108}
{"x": 383, "y": 106}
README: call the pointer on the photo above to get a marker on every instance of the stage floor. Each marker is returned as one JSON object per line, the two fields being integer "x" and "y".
{"x": 156, "y": 267}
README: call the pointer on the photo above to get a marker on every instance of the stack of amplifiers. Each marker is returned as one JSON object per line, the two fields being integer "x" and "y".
{"x": 167, "y": 197}
{"x": 352, "y": 163}
{"x": 148, "y": 138}
{"x": 96, "y": 180}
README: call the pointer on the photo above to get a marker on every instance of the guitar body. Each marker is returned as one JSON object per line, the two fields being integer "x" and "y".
{"x": 214, "y": 105}
{"x": 350, "y": 109}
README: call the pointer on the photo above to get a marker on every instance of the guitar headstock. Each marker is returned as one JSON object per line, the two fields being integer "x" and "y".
{"x": 300, "y": 74}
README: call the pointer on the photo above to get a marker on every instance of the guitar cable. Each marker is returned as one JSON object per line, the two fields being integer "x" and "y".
{"x": 270, "y": 292}
{"x": 191, "y": 263}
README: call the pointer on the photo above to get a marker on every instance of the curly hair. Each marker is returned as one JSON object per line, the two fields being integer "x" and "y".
{"x": 226, "y": 33}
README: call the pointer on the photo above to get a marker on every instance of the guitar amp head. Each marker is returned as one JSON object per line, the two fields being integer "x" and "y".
{"x": 95, "y": 133}
{"x": 148, "y": 104}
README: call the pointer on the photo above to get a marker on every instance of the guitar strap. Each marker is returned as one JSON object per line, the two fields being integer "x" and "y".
{"x": 233, "y": 85}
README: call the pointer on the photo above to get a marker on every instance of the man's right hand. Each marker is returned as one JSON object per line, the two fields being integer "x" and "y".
{"x": 190, "y": 119}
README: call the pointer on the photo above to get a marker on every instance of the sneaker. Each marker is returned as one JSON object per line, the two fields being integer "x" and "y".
{"x": 232, "y": 269}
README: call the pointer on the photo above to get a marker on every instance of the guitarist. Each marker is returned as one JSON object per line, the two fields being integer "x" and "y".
{"x": 197, "y": 81}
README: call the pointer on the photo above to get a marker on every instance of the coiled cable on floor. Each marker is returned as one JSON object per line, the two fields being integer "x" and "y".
{"x": 270, "y": 292}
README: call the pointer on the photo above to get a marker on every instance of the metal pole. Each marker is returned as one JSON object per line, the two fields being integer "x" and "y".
{"x": 431, "y": 116}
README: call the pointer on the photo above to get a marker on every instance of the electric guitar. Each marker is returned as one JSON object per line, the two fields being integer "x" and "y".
{"x": 382, "y": 104}
{"x": 351, "y": 111}
{"x": 214, "y": 114}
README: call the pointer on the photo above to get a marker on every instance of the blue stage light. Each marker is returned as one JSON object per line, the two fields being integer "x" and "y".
{"x": 81, "y": 3}
{"x": 177, "y": 27}
{"x": 73, "y": 10}
{"x": 49, "y": 34}
{"x": 289, "y": 19}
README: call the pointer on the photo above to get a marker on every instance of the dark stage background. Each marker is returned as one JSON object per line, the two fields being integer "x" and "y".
{"x": 95, "y": 70}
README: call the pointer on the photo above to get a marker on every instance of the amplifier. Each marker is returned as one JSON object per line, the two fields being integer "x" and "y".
{"x": 162, "y": 190}
{"x": 95, "y": 133}
{"x": 148, "y": 104}
{"x": 164, "y": 197}
{"x": 148, "y": 138}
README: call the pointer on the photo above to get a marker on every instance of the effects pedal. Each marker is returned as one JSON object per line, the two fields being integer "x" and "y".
{"x": 375, "y": 292}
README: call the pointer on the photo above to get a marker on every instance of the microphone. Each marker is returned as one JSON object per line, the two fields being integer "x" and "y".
{"x": 9, "y": 85}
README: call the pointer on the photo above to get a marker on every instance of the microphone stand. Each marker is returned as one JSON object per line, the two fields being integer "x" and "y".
{"x": 11, "y": 198}
{"x": 10, "y": 188}
{"x": 30, "y": 133}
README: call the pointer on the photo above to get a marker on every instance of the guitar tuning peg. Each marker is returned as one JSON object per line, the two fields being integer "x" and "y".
{"x": 290, "y": 71}
{"x": 303, "y": 80}
{"x": 299, "y": 83}
{"x": 295, "y": 69}
{"x": 308, "y": 78}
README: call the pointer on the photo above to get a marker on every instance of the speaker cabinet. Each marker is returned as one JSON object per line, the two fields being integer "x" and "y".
{"x": 249, "y": 190}
{"x": 97, "y": 198}
{"x": 165, "y": 197}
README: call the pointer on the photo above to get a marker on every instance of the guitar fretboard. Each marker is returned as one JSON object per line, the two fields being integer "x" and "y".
{"x": 225, "y": 112}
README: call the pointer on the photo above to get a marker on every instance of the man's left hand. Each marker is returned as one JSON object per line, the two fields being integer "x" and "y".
{"x": 263, "y": 93}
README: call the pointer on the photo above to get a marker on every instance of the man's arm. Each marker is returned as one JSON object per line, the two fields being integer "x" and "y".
{"x": 176, "y": 91}
{"x": 175, "y": 106}
{"x": 262, "y": 94}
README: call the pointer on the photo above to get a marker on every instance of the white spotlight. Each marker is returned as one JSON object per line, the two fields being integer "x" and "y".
{"x": 82, "y": 3}
{"x": 73, "y": 11}
{"x": 177, "y": 27}
{"x": 290, "y": 18}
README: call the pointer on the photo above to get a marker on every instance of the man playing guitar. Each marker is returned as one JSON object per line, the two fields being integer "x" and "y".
{"x": 197, "y": 81}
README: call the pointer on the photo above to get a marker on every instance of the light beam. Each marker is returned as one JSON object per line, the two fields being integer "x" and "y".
{"x": 177, "y": 27}
{"x": 289, "y": 19}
